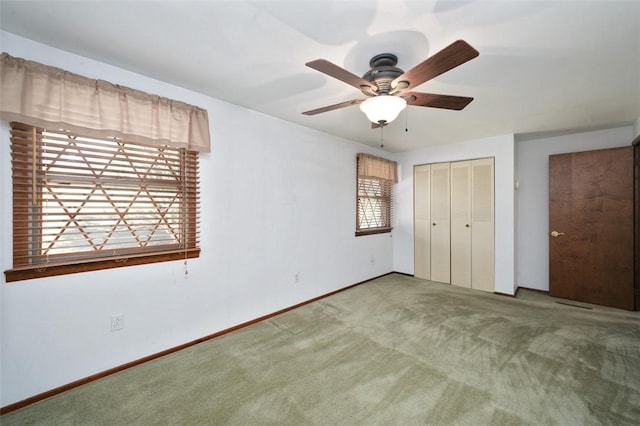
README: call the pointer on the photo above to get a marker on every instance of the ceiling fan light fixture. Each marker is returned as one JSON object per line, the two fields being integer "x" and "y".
{"x": 383, "y": 108}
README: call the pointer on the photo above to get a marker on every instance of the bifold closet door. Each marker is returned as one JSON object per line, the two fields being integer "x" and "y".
{"x": 461, "y": 223}
{"x": 482, "y": 225}
{"x": 454, "y": 223}
{"x": 440, "y": 223}
{"x": 422, "y": 221}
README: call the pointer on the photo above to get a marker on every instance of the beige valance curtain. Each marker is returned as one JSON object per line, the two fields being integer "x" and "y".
{"x": 377, "y": 167}
{"x": 49, "y": 97}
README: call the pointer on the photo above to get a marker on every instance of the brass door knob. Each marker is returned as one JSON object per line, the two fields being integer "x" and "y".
{"x": 555, "y": 234}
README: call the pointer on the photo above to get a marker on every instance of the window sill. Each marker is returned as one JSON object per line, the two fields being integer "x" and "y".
{"x": 371, "y": 231}
{"x": 52, "y": 269}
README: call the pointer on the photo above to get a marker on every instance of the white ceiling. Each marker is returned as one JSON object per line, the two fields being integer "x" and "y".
{"x": 544, "y": 66}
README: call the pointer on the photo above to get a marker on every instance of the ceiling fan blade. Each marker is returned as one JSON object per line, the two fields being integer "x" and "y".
{"x": 436, "y": 101}
{"x": 457, "y": 53}
{"x": 332, "y": 107}
{"x": 341, "y": 74}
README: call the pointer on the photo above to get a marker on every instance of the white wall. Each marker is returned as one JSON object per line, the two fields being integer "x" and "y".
{"x": 277, "y": 200}
{"x": 533, "y": 196}
{"x": 499, "y": 147}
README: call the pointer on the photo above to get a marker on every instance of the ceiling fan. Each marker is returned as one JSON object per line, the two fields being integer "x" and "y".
{"x": 388, "y": 87}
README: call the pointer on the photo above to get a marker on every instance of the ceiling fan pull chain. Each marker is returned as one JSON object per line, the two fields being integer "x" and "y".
{"x": 406, "y": 120}
{"x": 382, "y": 135}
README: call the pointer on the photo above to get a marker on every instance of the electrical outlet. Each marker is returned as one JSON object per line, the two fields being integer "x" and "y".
{"x": 117, "y": 322}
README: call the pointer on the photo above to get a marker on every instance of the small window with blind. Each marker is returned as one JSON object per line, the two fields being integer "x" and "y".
{"x": 83, "y": 203}
{"x": 375, "y": 179}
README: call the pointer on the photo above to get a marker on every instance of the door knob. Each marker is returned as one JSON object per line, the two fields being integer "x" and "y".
{"x": 434, "y": 224}
{"x": 467, "y": 225}
{"x": 555, "y": 234}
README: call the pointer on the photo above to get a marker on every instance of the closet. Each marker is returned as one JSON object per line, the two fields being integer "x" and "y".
{"x": 454, "y": 223}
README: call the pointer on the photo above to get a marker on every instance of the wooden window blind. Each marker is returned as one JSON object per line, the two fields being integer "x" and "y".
{"x": 374, "y": 195}
{"x": 83, "y": 203}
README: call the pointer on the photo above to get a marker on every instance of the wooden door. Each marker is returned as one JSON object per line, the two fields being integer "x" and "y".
{"x": 636, "y": 218}
{"x": 591, "y": 227}
{"x": 422, "y": 221}
{"x": 461, "y": 223}
{"x": 482, "y": 225}
{"x": 440, "y": 223}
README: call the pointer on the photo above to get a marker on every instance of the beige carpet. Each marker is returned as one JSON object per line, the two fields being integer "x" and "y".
{"x": 397, "y": 350}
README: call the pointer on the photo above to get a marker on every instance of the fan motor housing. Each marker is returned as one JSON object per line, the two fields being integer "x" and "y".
{"x": 383, "y": 71}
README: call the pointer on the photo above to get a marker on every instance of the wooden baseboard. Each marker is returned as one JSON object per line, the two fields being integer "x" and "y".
{"x": 44, "y": 395}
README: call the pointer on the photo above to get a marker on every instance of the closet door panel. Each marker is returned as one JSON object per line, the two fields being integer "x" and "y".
{"x": 440, "y": 223}
{"x": 461, "y": 223}
{"x": 422, "y": 221}
{"x": 482, "y": 225}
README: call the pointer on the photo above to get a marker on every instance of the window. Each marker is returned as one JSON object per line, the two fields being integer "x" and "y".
{"x": 376, "y": 177}
{"x": 83, "y": 203}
